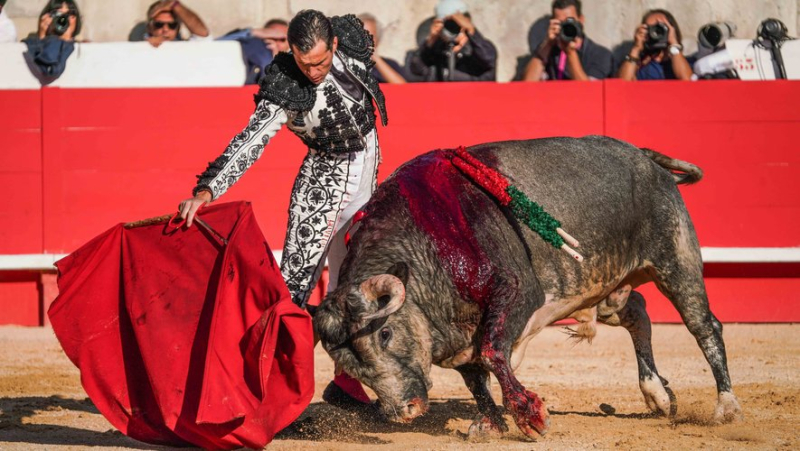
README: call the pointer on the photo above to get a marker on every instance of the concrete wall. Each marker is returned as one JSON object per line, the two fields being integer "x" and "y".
{"x": 506, "y": 22}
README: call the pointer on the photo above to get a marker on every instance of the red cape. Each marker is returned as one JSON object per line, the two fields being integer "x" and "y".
{"x": 181, "y": 339}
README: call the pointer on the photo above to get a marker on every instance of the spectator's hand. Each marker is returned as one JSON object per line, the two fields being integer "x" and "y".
{"x": 44, "y": 25}
{"x": 270, "y": 36}
{"x": 464, "y": 22}
{"x": 460, "y": 41}
{"x": 189, "y": 207}
{"x": 165, "y": 6}
{"x": 569, "y": 46}
{"x": 672, "y": 37}
{"x": 156, "y": 41}
{"x": 553, "y": 30}
{"x": 69, "y": 35}
{"x": 436, "y": 28}
{"x": 267, "y": 33}
{"x": 639, "y": 38}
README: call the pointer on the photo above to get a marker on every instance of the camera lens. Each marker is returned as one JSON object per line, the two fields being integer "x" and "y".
{"x": 450, "y": 30}
{"x": 712, "y": 35}
{"x": 60, "y": 23}
{"x": 772, "y": 29}
{"x": 657, "y": 37}
{"x": 570, "y": 30}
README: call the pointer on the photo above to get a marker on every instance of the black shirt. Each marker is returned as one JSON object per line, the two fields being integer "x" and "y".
{"x": 596, "y": 60}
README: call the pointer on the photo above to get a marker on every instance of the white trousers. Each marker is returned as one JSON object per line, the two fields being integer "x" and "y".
{"x": 327, "y": 193}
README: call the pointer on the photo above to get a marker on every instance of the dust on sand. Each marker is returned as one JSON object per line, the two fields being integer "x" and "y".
{"x": 591, "y": 391}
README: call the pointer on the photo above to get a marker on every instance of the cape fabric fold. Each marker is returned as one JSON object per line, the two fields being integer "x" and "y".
{"x": 182, "y": 339}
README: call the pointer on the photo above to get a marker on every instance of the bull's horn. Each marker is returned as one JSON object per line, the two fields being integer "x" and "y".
{"x": 384, "y": 284}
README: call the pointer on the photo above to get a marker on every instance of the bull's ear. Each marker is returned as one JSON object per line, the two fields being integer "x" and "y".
{"x": 399, "y": 270}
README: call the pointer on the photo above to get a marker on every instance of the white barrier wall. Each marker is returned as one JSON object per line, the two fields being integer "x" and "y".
{"x": 138, "y": 65}
{"x": 755, "y": 63}
{"x": 133, "y": 65}
{"x": 14, "y": 71}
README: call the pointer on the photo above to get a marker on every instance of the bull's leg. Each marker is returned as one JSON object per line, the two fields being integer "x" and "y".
{"x": 633, "y": 317}
{"x": 681, "y": 281}
{"x": 504, "y": 320}
{"x": 491, "y": 417}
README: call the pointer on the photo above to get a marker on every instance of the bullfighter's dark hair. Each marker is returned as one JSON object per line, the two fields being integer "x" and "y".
{"x": 564, "y": 4}
{"x": 308, "y": 27}
{"x": 670, "y": 19}
{"x": 55, "y": 5}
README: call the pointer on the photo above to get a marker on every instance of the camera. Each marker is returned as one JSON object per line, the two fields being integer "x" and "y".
{"x": 772, "y": 30}
{"x": 657, "y": 37}
{"x": 451, "y": 30}
{"x": 60, "y": 23}
{"x": 571, "y": 29}
{"x": 714, "y": 35}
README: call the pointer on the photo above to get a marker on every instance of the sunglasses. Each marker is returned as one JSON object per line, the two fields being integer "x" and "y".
{"x": 157, "y": 25}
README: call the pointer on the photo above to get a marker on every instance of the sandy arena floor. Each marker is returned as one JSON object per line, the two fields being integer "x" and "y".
{"x": 42, "y": 405}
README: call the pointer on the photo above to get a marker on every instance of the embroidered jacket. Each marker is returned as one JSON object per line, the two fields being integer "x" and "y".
{"x": 326, "y": 117}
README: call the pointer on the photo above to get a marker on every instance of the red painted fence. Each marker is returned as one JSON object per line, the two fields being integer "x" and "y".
{"x": 76, "y": 161}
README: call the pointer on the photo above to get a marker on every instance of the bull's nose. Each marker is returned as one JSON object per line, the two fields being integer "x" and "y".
{"x": 413, "y": 409}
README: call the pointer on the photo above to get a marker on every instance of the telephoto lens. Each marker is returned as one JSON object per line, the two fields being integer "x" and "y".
{"x": 451, "y": 30}
{"x": 714, "y": 35}
{"x": 657, "y": 37}
{"x": 60, "y": 23}
{"x": 571, "y": 29}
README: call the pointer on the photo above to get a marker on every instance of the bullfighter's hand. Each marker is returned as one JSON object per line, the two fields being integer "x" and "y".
{"x": 189, "y": 207}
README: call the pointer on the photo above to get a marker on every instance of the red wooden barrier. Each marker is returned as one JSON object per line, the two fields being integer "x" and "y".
{"x": 746, "y": 136}
{"x": 81, "y": 160}
{"x": 21, "y": 172}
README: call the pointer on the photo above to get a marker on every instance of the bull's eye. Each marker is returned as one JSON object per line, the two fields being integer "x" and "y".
{"x": 386, "y": 335}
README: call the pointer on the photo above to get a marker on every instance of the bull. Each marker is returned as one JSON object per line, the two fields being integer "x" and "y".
{"x": 438, "y": 272}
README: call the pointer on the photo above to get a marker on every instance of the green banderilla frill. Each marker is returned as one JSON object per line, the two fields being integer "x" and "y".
{"x": 534, "y": 216}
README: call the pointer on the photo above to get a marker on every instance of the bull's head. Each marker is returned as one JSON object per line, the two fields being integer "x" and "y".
{"x": 375, "y": 333}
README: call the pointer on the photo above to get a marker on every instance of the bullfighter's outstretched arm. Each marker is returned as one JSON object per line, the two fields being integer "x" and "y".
{"x": 244, "y": 149}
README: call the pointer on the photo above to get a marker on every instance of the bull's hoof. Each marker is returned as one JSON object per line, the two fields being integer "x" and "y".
{"x": 659, "y": 398}
{"x": 529, "y": 413}
{"x": 337, "y": 397}
{"x": 484, "y": 428}
{"x": 728, "y": 409}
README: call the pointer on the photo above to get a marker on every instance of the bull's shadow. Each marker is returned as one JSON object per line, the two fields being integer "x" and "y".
{"x": 322, "y": 422}
{"x": 15, "y": 425}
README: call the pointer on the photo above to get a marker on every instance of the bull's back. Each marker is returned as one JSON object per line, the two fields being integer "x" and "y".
{"x": 615, "y": 200}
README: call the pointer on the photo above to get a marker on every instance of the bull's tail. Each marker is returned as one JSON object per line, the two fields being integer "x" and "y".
{"x": 683, "y": 172}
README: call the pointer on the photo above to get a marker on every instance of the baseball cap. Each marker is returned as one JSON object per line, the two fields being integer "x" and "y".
{"x": 449, "y": 7}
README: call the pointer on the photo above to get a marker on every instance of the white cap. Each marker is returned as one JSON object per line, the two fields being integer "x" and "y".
{"x": 449, "y": 7}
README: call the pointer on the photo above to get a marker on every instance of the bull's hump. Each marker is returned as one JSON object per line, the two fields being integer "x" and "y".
{"x": 442, "y": 202}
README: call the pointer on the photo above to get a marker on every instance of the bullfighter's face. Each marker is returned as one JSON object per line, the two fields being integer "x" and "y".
{"x": 316, "y": 63}
{"x": 376, "y": 335}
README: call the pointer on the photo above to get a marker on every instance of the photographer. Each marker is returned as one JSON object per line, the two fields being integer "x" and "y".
{"x": 567, "y": 53}
{"x": 164, "y": 20}
{"x": 657, "y": 53}
{"x": 48, "y": 50}
{"x": 454, "y": 50}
